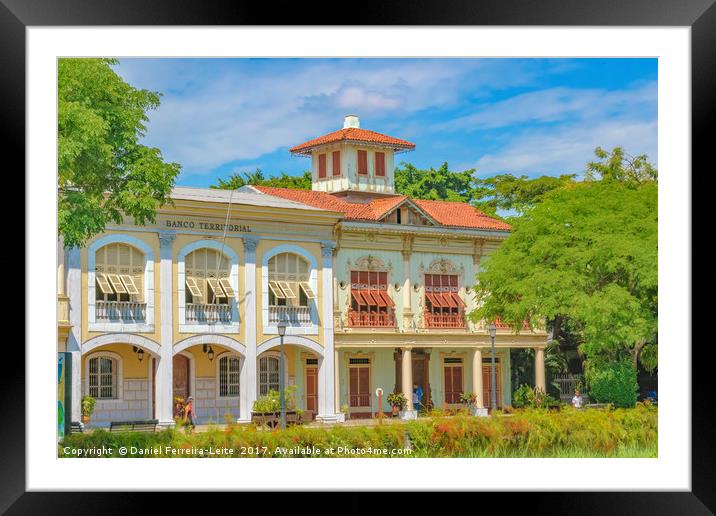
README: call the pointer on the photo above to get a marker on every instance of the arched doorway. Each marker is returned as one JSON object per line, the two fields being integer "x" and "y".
{"x": 181, "y": 382}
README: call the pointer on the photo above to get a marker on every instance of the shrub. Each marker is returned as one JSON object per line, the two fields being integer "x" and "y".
{"x": 527, "y": 397}
{"x": 613, "y": 382}
{"x": 397, "y": 399}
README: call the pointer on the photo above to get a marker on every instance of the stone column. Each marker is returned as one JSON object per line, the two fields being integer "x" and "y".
{"x": 539, "y": 369}
{"x": 164, "y": 377}
{"x": 477, "y": 386}
{"x": 407, "y": 381}
{"x": 326, "y": 365}
{"x": 247, "y": 378}
{"x": 74, "y": 342}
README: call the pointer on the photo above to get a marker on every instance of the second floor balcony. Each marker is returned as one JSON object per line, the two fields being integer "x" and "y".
{"x": 120, "y": 311}
{"x": 438, "y": 320}
{"x": 197, "y": 313}
{"x": 291, "y": 315}
{"x": 368, "y": 319}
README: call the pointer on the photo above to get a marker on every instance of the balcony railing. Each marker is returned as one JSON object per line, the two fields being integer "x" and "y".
{"x": 359, "y": 400}
{"x": 207, "y": 314}
{"x": 503, "y": 326}
{"x": 444, "y": 320}
{"x": 371, "y": 319}
{"x": 291, "y": 315}
{"x": 120, "y": 311}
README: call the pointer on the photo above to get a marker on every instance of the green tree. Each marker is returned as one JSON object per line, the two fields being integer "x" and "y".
{"x": 431, "y": 184}
{"x": 257, "y": 177}
{"x": 620, "y": 166}
{"x": 515, "y": 194}
{"x": 586, "y": 253}
{"x": 103, "y": 171}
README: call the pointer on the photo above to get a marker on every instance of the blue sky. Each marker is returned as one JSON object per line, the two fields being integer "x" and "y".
{"x": 524, "y": 116}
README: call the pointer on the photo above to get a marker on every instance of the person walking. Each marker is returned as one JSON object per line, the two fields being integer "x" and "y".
{"x": 189, "y": 412}
{"x": 417, "y": 396}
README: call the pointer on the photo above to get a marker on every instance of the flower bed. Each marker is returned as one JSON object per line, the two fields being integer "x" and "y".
{"x": 523, "y": 433}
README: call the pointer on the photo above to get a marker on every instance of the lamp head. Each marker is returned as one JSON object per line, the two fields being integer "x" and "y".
{"x": 493, "y": 330}
{"x": 281, "y": 328}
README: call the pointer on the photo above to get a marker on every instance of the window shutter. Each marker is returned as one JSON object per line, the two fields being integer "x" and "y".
{"x": 380, "y": 164}
{"x": 307, "y": 290}
{"x": 226, "y": 285}
{"x": 104, "y": 285}
{"x": 215, "y": 287}
{"x": 362, "y": 162}
{"x": 128, "y": 282}
{"x": 336, "y": 163}
{"x": 321, "y": 165}
{"x": 116, "y": 283}
{"x": 276, "y": 290}
{"x": 287, "y": 290}
{"x": 193, "y": 287}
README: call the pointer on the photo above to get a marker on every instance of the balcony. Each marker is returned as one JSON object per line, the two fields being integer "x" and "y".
{"x": 207, "y": 314}
{"x": 371, "y": 319}
{"x": 120, "y": 312}
{"x": 291, "y": 315}
{"x": 444, "y": 320}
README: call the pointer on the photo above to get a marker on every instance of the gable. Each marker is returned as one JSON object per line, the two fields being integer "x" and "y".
{"x": 409, "y": 214}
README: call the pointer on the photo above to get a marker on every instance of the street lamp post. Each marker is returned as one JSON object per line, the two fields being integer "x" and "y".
{"x": 281, "y": 332}
{"x": 493, "y": 390}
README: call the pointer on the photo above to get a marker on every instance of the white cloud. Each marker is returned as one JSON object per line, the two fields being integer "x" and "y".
{"x": 216, "y": 112}
{"x": 566, "y": 149}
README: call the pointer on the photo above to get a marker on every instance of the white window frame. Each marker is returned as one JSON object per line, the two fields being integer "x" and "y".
{"x": 148, "y": 325}
{"x": 228, "y": 252}
{"x": 120, "y": 378}
{"x": 229, "y": 355}
{"x": 308, "y": 329}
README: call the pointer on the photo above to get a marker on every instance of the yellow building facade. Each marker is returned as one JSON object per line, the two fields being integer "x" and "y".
{"x": 374, "y": 287}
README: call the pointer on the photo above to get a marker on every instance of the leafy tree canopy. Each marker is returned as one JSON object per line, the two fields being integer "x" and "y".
{"x": 103, "y": 172}
{"x": 587, "y": 252}
{"x": 257, "y": 177}
{"x": 431, "y": 184}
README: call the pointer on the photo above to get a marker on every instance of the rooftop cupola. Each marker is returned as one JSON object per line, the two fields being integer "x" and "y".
{"x": 353, "y": 159}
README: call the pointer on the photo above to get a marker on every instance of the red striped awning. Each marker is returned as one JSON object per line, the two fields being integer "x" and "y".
{"x": 387, "y": 298}
{"x": 458, "y": 299}
{"x": 356, "y": 294}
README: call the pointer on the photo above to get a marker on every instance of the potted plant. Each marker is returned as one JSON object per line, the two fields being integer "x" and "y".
{"x": 398, "y": 402}
{"x": 88, "y": 403}
{"x": 469, "y": 399}
{"x": 344, "y": 414}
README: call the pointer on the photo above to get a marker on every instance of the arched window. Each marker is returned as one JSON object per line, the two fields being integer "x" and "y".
{"x": 119, "y": 273}
{"x": 207, "y": 278}
{"x": 229, "y": 373}
{"x": 102, "y": 377}
{"x": 268, "y": 374}
{"x": 289, "y": 280}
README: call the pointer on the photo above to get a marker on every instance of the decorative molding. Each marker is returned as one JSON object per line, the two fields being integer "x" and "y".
{"x": 122, "y": 338}
{"x": 371, "y": 263}
{"x": 327, "y": 248}
{"x": 250, "y": 243}
{"x": 166, "y": 238}
{"x": 220, "y": 340}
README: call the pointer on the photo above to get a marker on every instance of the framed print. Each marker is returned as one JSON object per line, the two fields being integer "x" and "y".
{"x": 433, "y": 238}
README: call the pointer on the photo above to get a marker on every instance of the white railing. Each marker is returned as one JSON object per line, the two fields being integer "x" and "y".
{"x": 120, "y": 311}
{"x": 207, "y": 314}
{"x": 292, "y": 315}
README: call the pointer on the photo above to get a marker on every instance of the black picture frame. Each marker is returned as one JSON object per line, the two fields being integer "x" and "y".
{"x": 700, "y": 15}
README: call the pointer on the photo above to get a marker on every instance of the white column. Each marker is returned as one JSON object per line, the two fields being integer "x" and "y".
{"x": 539, "y": 369}
{"x": 407, "y": 381}
{"x": 407, "y": 307}
{"x": 326, "y": 364}
{"x": 165, "y": 370}
{"x": 477, "y": 386}
{"x": 74, "y": 346}
{"x": 247, "y": 378}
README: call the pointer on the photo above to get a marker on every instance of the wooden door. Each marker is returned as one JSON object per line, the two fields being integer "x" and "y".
{"x": 312, "y": 388}
{"x": 487, "y": 384}
{"x": 421, "y": 376}
{"x": 359, "y": 387}
{"x": 453, "y": 383}
{"x": 181, "y": 376}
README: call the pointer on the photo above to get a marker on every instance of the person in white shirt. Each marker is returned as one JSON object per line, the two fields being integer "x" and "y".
{"x": 577, "y": 400}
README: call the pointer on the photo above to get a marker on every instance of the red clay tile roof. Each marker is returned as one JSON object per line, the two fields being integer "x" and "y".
{"x": 460, "y": 214}
{"x": 353, "y": 134}
{"x": 456, "y": 214}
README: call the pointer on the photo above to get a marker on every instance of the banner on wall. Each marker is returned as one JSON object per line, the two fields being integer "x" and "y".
{"x": 64, "y": 394}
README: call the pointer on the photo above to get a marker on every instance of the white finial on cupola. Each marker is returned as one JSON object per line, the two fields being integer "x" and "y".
{"x": 351, "y": 121}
